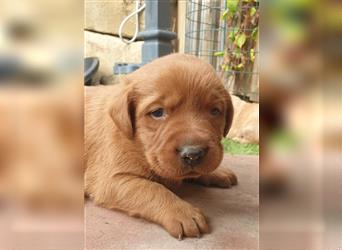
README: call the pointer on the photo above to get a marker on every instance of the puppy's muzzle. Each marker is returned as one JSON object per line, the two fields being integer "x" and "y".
{"x": 192, "y": 155}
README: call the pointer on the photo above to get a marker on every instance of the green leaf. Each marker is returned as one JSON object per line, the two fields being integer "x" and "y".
{"x": 224, "y": 14}
{"x": 237, "y": 53}
{"x": 240, "y": 66}
{"x": 231, "y": 36}
{"x": 225, "y": 67}
{"x": 240, "y": 40}
{"x": 232, "y": 6}
{"x": 254, "y": 33}
{"x": 252, "y": 55}
{"x": 219, "y": 53}
{"x": 232, "y": 33}
{"x": 252, "y": 11}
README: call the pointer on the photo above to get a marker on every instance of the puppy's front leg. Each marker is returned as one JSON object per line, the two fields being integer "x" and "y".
{"x": 154, "y": 202}
{"x": 223, "y": 178}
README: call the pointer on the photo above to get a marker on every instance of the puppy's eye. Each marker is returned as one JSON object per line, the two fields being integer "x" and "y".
{"x": 215, "y": 112}
{"x": 158, "y": 113}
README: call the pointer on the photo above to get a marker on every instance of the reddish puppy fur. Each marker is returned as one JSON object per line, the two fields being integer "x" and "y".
{"x": 132, "y": 154}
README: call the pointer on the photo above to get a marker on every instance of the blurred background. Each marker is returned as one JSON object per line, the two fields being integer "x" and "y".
{"x": 41, "y": 99}
{"x": 289, "y": 63}
{"x": 301, "y": 124}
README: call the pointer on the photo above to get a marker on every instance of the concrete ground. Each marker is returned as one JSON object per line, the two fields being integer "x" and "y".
{"x": 233, "y": 214}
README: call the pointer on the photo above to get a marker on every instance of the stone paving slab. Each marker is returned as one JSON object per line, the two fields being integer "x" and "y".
{"x": 233, "y": 214}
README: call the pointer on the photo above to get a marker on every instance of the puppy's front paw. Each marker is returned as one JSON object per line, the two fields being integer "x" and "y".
{"x": 184, "y": 220}
{"x": 223, "y": 178}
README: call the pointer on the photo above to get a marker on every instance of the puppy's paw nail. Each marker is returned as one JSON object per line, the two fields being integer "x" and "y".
{"x": 185, "y": 221}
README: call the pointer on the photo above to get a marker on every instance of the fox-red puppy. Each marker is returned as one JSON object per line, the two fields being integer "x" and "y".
{"x": 161, "y": 125}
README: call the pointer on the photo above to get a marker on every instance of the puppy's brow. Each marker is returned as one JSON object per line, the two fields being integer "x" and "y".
{"x": 170, "y": 101}
{"x": 173, "y": 101}
{"x": 218, "y": 101}
{"x": 150, "y": 101}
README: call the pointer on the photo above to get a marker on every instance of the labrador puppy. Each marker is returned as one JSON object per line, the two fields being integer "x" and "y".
{"x": 160, "y": 126}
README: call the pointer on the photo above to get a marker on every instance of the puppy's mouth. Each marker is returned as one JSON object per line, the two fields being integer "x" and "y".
{"x": 190, "y": 173}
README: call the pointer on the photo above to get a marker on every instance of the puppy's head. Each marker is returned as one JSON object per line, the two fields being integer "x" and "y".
{"x": 177, "y": 109}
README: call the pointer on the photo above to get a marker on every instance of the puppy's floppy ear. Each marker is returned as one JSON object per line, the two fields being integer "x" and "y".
{"x": 122, "y": 110}
{"x": 228, "y": 114}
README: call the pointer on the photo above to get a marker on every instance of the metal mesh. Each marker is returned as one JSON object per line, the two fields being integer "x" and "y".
{"x": 214, "y": 33}
{"x": 205, "y": 31}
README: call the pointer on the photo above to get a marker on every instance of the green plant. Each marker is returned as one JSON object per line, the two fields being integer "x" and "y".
{"x": 242, "y": 18}
{"x": 237, "y": 148}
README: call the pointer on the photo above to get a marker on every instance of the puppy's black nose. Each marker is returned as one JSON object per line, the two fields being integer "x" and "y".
{"x": 192, "y": 155}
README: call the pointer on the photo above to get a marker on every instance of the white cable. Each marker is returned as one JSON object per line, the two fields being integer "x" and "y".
{"x": 136, "y": 13}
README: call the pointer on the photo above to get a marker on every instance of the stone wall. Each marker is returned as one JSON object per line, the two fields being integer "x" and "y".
{"x": 102, "y": 21}
{"x": 110, "y": 49}
{"x": 106, "y": 16}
